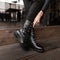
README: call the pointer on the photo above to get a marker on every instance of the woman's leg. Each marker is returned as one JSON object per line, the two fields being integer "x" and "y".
{"x": 27, "y": 4}
{"x": 34, "y": 9}
{"x": 24, "y": 33}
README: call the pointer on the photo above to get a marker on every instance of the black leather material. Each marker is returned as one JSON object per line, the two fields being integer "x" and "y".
{"x": 26, "y": 38}
{"x": 23, "y": 36}
{"x": 35, "y": 46}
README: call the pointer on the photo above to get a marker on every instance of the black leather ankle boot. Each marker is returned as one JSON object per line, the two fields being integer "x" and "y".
{"x": 35, "y": 46}
{"x": 23, "y": 35}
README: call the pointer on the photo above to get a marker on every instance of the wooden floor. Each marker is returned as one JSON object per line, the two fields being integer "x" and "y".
{"x": 49, "y": 37}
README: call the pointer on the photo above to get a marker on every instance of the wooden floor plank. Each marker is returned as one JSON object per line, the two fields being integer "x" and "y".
{"x": 13, "y": 52}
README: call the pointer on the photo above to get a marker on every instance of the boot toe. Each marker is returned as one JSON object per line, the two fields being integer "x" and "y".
{"x": 38, "y": 48}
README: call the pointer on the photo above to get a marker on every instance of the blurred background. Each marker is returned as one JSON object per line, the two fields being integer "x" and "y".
{"x": 52, "y": 17}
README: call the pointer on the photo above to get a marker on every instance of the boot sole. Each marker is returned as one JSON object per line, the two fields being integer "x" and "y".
{"x": 38, "y": 50}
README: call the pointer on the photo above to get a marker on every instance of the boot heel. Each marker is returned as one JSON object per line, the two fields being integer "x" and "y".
{"x": 17, "y": 36}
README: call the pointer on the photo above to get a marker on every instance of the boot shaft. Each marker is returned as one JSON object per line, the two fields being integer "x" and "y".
{"x": 27, "y": 27}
